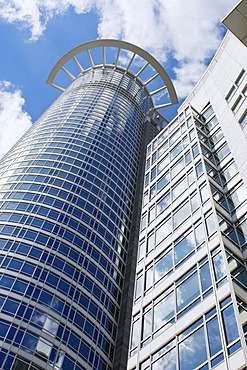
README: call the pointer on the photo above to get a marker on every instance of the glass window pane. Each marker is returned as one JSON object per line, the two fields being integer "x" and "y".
{"x": 163, "y": 231}
{"x": 195, "y": 202}
{"x": 177, "y": 168}
{"x": 149, "y": 278}
{"x": 163, "y": 266}
{"x": 238, "y": 196}
{"x": 205, "y": 194}
{"x": 163, "y": 182}
{"x": 187, "y": 291}
{"x": 135, "y": 333}
{"x": 152, "y": 191}
{"x": 181, "y": 215}
{"x": 179, "y": 189}
{"x": 205, "y": 276}
{"x": 151, "y": 214}
{"x": 145, "y": 198}
{"x": 151, "y": 242}
{"x": 147, "y": 324}
{"x": 153, "y": 175}
{"x": 199, "y": 169}
{"x": 163, "y": 203}
{"x": 199, "y": 234}
{"x": 162, "y": 164}
{"x": 184, "y": 247}
{"x": 167, "y": 362}
{"x": 219, "y": 266}
{"x": 175, "y": 152}
{"x": 163, "y": 148}
{"x": 139, "y": 286}
{"x": 214, "y": 336}
{"x": 142, "y": 249}
{"x": 144, "y": 221}
{"x": 174, "y": 137}
{"x": 211, "y": 224}
{"x": 230, "y": 325}
{"x": 164, "y": 311}
{"x": 230, "y": 171}
{"x": 192, "y": 351}
{"x": 223, "y": 151}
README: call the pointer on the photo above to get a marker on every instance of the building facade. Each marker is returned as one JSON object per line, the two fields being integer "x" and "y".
{"x": 70, "y": 210}
{"x": 190, "y": 303}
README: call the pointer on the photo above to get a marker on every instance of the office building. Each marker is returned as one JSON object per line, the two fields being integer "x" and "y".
{"x": 190, "y": 303}
{"x": 70, "y": 200}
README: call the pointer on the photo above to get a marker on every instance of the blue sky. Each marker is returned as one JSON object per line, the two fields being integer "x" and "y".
{"x": 34, "y": 34}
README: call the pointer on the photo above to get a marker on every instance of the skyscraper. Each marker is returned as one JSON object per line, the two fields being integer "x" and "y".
{"x": 70, "y": 194}
{"x": 190, "y": 304}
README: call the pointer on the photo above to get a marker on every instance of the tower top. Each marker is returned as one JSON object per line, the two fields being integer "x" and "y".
{"x": 140, "y": 65}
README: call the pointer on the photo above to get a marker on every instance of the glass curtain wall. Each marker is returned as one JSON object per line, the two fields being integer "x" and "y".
{"x": 66, "y": 196}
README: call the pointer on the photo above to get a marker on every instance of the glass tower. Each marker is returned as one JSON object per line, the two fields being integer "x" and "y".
{"x": 190, "y": 303}
{"x": 69, "y": 199}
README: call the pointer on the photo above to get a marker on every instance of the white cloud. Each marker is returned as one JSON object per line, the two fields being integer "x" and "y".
{"x": 187, "y": 31}
{"x": 34, "y": 14}
{"x": 14, "y": 121}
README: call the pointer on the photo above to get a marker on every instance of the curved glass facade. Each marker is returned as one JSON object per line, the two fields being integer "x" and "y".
{"x": 66, "y": 198}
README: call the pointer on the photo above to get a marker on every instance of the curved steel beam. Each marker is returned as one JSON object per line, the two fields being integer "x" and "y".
{"x": 120, "y": 45}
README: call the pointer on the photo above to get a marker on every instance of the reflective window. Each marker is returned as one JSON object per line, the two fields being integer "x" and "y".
{"x": 162, "y": 266}
{"x": 219, "y": 265}
{"x": 181, "y": 215}
{"x": 184, "y": 247}
{"x": 164, "y": 311}
{"x": 230, "y": 325}
{"x": 163, "y": 231}
{"x": 187, "y": 291}
{"x": 214, "y": 336}
{"x": 135, "y": 333}
{"x": 163, "y": 203}
{"x": 192, "y": 351}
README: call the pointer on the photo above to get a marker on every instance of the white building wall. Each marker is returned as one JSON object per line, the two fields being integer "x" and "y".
{"x": 157, "y": 342}
{"x": 216, "y": 83}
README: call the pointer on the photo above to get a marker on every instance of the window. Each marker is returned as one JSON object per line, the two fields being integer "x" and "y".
{"x": 135, "y": 332}
{"x": 230, "y": 325}
{"x": 179, "y": 166}
{"x": 163, "y": 266}
{"x": 237, "y": 88}
{"x": 181, "y": 215}
{"x": 163, "y": 182}
{"x": 187, "y": 291}
{"x": 163, "y": 203}
{"x": 238, "y": 196}
{"x": 240, "y": 78}
{"x": 219, "y": 266}
{"x": 163, "y": 231}
{"x": 142, "y": 249}
{"x": 147, "y": 323}
{"x": 238, "y": 104}
{"x": 214, "y": 336}
{"x": 184, "y": 247}
{"x": 144, "y": 221}
{"x": 139, "y": 286}
{"x": 200, "y": 345}
{"x": 243, "y": 120}
{"x": 192, "y": 350}
{"x": 231, "y": 93}
{"x": 210, "y": 224}
{"x": 167, "y": 361}
{"x": 163, "y": 311}
{"x": 151, "y": 242}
